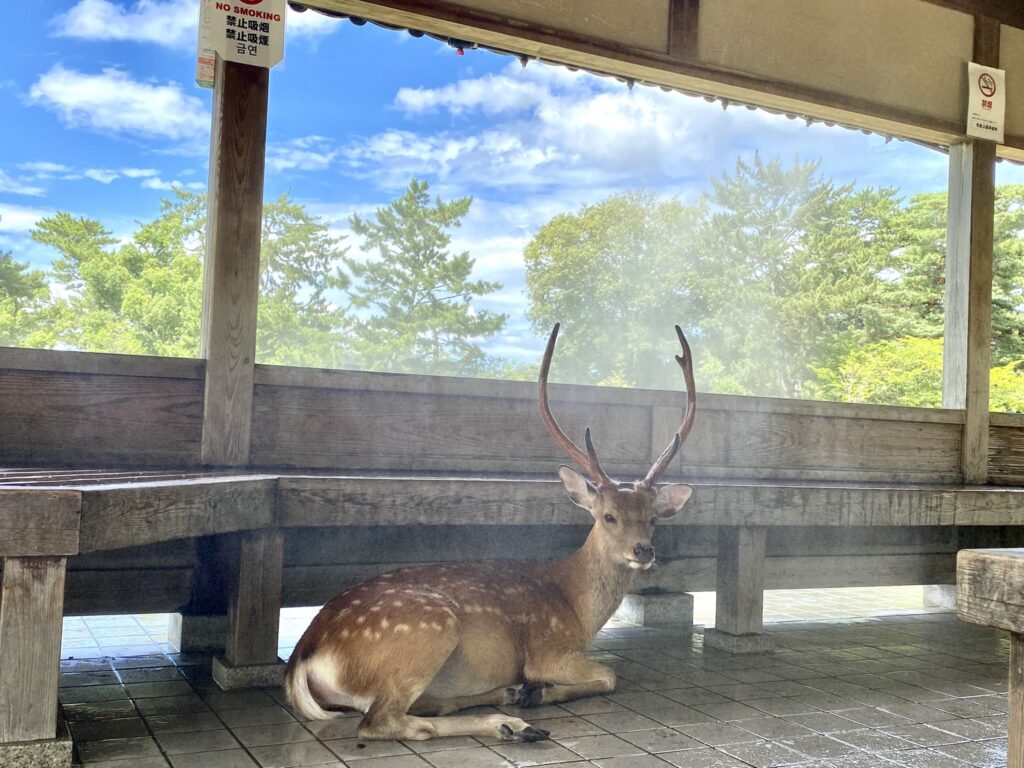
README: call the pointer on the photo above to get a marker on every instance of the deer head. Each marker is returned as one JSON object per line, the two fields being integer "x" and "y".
{"x": 625, "y": 514}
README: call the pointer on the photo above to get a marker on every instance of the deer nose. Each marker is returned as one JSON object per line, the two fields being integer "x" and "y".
{"x": 644, "y": 553}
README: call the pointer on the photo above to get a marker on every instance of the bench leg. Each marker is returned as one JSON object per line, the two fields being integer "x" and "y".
{"x": 1015, "y": 746}
{"x": 254, "y": 612}
{"x": 202, "y": 624}
{"x": 31, "y": 618}
{"x": 739, "y": 596}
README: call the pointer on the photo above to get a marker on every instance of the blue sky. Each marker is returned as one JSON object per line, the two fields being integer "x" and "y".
{"x": 101, "y": 117}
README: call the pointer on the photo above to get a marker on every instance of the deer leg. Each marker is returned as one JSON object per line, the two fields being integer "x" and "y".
{"x": 393, "y": 723}
{"x": 562, "y": 677}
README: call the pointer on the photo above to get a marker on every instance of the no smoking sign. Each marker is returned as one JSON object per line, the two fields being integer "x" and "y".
{"x": 986, "y": 103}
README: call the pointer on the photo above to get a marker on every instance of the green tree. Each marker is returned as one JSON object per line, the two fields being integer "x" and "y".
{"x": 916, "y": 305}
{"x": 617, "y": 274}
{"x": 417, "y": 296}
{"x": 23, "y": 295}
{"x": 301, "y": 278}
{"x": 142, "y": 297}
{"x": 145, "y": 296}
{"x": 903, "y": 371}
{"x": 788, "y": 269}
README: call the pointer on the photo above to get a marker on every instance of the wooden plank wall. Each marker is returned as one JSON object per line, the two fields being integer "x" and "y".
{"x": 119, "y": 411}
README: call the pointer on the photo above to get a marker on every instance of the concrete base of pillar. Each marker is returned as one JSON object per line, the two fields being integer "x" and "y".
{"x": 230, "y": 677}
{"x": 45, "y": 753}
{"x": 195, "y": 634}
{"x": 940, "y": 596}
{"x": 660, "y": 609}
{"x": 738, "y": 644}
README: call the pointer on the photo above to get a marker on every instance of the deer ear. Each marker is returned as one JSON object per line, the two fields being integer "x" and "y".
{"x": 671, "y": 499}
{"x": 582, "y": 493}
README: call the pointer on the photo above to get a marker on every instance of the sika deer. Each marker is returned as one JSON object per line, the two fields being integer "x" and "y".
{"x": 412, "y": 646}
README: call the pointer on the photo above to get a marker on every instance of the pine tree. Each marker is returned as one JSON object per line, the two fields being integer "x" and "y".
{"x": 417, "y": 296}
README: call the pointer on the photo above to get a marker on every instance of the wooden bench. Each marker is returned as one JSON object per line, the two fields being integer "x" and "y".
{"x": 990, "y": 591}
{"x": 49, "y": 516}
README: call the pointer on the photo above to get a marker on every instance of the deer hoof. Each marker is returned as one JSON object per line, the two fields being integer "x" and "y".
{"x": 529, "y": 733}
{"x": 529, "y": 695}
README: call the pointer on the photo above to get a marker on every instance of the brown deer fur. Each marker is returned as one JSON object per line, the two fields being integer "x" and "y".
{"x": 412, "y": 646}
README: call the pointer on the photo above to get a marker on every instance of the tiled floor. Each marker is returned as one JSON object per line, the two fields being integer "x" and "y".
{"x": 921, "y": 690}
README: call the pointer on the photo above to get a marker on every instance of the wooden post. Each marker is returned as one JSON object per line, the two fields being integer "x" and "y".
{"x": 31, "y": 616}
{"x": 232, "y": 271}
{"x": 990, "y": 591}
{"x": 1015, "y": 745}
{"x": 739, "y": 594}
{"x": 254, "y": 609}
{"x": 968, "y": 323}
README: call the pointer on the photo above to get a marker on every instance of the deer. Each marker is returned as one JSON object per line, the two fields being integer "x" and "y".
{"x": 413, "y": 646}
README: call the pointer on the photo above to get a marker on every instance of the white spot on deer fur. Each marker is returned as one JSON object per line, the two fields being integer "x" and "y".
{"x": 423, "y": 625}
{"x": 356, "y": 602}
{"x": 555, "y": 623}
{"x": 360, "y": 619}
{"x": 436, "y": 626}
{"x": 387, "y": 575}
{"x": 403, "y": 628}
{"x": 397, "y": 604}
{"x": 390, "y": 591}
{"x": 367, "y": 632}
{"x": 384, "y": 624}
{"x": 376, "y": 608}
{"x": 344, "y": 633}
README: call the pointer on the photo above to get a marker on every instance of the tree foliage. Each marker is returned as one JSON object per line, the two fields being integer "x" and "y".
{"x": 23, "y": 296}
{"x": 418, "y": 296}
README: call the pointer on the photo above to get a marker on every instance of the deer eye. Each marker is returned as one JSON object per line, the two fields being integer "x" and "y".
{"x": 610, "y": 519}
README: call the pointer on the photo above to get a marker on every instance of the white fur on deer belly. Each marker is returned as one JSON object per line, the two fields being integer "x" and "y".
{"x": 322, "y": 669}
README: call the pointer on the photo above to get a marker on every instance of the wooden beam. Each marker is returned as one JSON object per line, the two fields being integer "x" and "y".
{"x": 684, "y": 18}
{"x": 39, "y": 522}
{"x": 231, "y": 281}
{"x": 31, "y": 610}
{"x": 254, "y": 599}
{"x": 146, "y": 513}
{"x": 1009, "y": 12}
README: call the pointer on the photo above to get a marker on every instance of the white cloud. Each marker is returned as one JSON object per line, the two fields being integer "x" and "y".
{"x": 155, "y": 182}
{"x": 17, "y": 186}
{"x": 44, "y": 169}
{"x": 168, "y": 23}
{"x": 309, "y": 24}
{"x": 309, "y": 153}
{"x": 112, "y": 102}
{"x": 102, "y": 175}
{"x": 20, "y": 218}
{"x": 139, "y": 173}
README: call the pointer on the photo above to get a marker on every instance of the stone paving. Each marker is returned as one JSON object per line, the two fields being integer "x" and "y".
{"x": 909, "y": 690}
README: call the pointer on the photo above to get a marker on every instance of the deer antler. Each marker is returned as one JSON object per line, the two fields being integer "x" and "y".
{"x": 587, "y": 461}
{"x": 686, "y": 363}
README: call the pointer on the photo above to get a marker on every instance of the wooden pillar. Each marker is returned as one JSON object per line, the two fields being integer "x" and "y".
{"x": 990, "y": 592}
{"x": 739, "y": 594}
{"x": 31, "y": 618}
{"x": 968, "y": 322}
{"x": 254, "y": 609}
{"x": 1015, "y": 744}
{"x": 232, "y": 270}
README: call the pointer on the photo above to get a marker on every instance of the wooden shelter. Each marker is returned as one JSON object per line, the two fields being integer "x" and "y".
{"x": 221, "y": 490}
